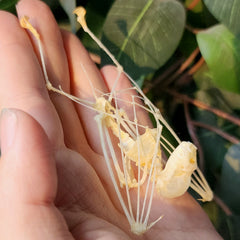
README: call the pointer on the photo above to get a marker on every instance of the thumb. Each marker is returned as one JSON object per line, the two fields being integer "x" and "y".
{"x": 28, "y": 181}
{"x": 28, "y": 167}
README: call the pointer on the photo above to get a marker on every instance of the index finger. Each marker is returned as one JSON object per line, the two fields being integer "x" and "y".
{"x": 22, "y": 84}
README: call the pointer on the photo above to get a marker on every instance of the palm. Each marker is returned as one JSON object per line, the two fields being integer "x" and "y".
{"x": 83, "y": 200}
{"x": 85, "y": 195}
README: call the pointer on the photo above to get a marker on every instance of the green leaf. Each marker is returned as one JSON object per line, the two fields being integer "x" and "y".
{"x": 143, "y": 34}
{"x": 226, "y": 99}
{"x": 215, "y": 213}
{"x": 8, "y": 5}
{"x": 233, "y": 223}
{"x": 69, "y": 6}
{"x": 197, "y": 8}
{"x": 221, "y": 50}
{"x": 227, "y": 12}
{"x": 230, "y": 178}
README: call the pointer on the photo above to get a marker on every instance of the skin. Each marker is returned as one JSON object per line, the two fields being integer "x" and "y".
{"x": 53, "y": 178}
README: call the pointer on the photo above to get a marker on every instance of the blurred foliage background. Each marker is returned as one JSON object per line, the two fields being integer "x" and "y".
{"x": 186, "y": 57}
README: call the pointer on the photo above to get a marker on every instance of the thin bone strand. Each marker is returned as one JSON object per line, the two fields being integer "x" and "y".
{"x": 83, "y": 102}
{"x": 153, "y": 223}
{"x": 124, "y": 169}
{"x": 151, "y": 109}
{"x": 125, "y": 121}
{"x": 120, "y": 122}
{"x": 201, "y": 181}
{"x": 129, "y": 125}
{"x": 203, "y": 178}
{"x": 165, "y": 147}
{"x": 107, "y": 160}
{"x": 195, "y": 186}
{"x": 150, "y": 200}
{"x": 113, "y": 116}
{"x": 120, "y": 70}
{"x": 115, "y": 162}
{"x": 81, "y": 19}
{"x": 148, "y": 109}
{"x": 126, "y": 117}
{"x": 206, "y": 194}
{"x": 50, "y": 87}
{"x": 26, "y": 24}
{"x": 114, "y": 158}
{"x": 126, "y": 90}
{"x": 150, "y": 174}
{"x": 48, "y": 83}
{"x": 168, "y": 143}
{"x": 81, "y": 12}
{"x": 89, "y": 81}
{"x": 139, "y": 161}
{"x": 202, "y": 186}
{"x": 127, "y": 128}
{"x": 160, "y": 117}
{"x": 159, "y": 131}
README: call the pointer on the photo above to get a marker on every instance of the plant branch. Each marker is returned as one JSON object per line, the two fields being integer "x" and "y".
{"x": 163, "y": 76}
{"x": 186, "y": 77}
{"x": 193, "y": 135}
{"x": 218, "y": 131}
{"x": 193, "y": 30}
{"x": 222, "y": 205}
{"x": 193, "y": 4}
{"x": 204, "y": 106}
{"x": 196, "y": 66}
{"x": 189, "y": 60}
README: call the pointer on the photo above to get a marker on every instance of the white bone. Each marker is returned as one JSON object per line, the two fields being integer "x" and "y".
{"x": 141, "y": 165}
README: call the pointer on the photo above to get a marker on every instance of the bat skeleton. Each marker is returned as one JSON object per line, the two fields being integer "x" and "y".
{"x": 137, "y": 164}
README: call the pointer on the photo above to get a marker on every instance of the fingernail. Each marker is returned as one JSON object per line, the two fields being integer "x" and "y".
{"x": 8, "y": 125}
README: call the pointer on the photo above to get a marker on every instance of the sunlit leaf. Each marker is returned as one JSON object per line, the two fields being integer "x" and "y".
{"x": 197, "y": 8}
{"x": 227, "y": 12}
{"x": 227, "y": 101}
{"x": 143, "y": 34}
{"x": 69, "y": 6}
{"x": 221, "y": 50}
{"x": 230, "y": 179}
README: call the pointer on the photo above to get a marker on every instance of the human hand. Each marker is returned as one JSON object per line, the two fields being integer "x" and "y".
{"x": 54, "y": 183}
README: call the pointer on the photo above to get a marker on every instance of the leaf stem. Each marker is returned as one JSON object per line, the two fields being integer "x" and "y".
{"x": 193, "y": 4}
{"x": 193, "y": 134}
{"x": 218, "y": 131}
{"x": 131, "y": 30}
{"x": 204, "y": 106}
{"x": 196, "y": 66}
{"x": 222, "y": 205}
{"x": 168, "y": 72}
{"x": 189, "y": 60}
